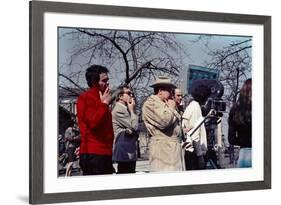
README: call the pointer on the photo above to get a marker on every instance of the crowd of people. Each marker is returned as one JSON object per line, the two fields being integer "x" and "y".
{"x": 110, "y": 136}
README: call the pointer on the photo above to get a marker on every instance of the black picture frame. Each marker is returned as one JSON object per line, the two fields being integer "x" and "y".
{"x": 37, "y": 10}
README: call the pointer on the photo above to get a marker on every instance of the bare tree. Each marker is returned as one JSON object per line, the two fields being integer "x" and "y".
{"x": 135, "y": 57}
{"x": 234, "y": 63}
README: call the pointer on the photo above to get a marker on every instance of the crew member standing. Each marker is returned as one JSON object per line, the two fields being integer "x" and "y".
{"x": 125, "y": 125}
{"x": 95, "y": 123}
{"x": 163, "y": 124}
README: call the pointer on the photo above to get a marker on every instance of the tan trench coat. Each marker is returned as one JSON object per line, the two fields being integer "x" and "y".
{"x": 163, "y": 124}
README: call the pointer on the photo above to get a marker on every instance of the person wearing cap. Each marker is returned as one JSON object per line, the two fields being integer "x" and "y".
{"x": 163, "y": 124}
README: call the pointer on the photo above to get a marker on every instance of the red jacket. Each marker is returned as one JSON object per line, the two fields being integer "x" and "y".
{"x": 95, "y": 123}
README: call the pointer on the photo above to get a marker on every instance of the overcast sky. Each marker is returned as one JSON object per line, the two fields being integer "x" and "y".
{"x": 197, "y": 48}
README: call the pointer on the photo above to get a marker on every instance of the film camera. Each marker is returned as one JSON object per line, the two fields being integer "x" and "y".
{"x": 208, "y": 93}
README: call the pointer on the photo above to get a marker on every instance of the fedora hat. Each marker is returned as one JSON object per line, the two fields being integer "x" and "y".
{"x": 163, "y": 81}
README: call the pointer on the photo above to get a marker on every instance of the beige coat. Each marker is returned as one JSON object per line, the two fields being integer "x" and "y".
{"x": 163, "y": 124}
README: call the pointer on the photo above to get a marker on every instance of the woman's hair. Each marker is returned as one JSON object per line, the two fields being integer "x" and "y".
{"x": 245, "y": 96}
{"x": 242, "y": 114}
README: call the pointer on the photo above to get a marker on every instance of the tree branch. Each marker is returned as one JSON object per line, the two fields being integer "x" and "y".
{"x": 69, "y": 90}
{"x": 70, "y": 80}
{"x": 115, "y": 45}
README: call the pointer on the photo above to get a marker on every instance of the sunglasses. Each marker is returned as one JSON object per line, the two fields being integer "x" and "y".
{"x": 129, "y": 93}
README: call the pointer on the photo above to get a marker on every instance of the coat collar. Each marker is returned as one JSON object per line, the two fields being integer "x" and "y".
{"x": 94, "y": 90}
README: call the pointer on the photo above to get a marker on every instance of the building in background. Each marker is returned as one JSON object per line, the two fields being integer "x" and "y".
{"x": 195, "y": 72}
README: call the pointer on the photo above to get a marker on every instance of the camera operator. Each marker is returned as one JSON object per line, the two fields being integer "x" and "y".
{"x": 195, "y": 160}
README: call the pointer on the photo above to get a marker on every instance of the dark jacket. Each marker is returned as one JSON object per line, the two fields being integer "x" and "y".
{"x": 125, "y": 147}
{"x": 239, "y": 133}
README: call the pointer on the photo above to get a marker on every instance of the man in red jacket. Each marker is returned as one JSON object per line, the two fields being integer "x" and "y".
{"x": 95, "y": 123}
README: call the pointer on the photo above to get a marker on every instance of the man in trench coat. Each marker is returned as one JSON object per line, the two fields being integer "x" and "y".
{"x": 163, "y": 124}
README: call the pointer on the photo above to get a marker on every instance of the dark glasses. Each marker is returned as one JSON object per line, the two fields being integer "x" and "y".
{"x": 129, "y": 93}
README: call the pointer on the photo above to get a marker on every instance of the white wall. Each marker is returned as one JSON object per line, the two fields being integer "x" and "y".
{"x": 14, "y": 42}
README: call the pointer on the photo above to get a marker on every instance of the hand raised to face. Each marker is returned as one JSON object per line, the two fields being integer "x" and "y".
{"x": 171, "y": 103}
{"x": 131, "y": 104}
{"x": 105, "y": 97}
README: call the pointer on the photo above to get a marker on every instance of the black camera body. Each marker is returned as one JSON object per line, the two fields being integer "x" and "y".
{"x": 208, "y": 93}
{"x": 218, "y": 105}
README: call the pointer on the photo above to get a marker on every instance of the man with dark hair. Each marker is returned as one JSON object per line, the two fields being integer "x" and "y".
{"x": 95, "y": 123}
{"x": 125, "y": 125}
{"x": 163, "y": 124}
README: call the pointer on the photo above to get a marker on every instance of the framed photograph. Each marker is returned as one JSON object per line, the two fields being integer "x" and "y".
{"x": 220, "y": 54}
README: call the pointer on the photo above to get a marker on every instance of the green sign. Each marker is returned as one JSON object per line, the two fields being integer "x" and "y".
{"x": 199, "y": 72}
